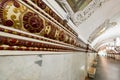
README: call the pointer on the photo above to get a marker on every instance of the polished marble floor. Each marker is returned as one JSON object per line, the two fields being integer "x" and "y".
{"x": 107, "y": 69}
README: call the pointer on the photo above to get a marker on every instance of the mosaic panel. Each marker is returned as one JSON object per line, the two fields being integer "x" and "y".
{"x": 77, "y": 5}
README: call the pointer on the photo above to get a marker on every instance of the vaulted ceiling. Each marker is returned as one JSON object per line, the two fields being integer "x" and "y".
{"x": 96, "y": 23}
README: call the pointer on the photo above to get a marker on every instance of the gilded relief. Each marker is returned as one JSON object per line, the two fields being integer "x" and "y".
{"x": 57, "y": 32}
{"x": 32, "y": 22}
{"x": 12, "y": 11}
{"x": 13, "y": 14}
{"x": 49, "y": 11}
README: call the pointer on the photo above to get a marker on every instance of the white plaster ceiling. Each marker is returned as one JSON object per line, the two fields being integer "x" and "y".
{"x": 106, "y": 11}
{"x": 111, "y": 33}
{"x": 109, "y": 10}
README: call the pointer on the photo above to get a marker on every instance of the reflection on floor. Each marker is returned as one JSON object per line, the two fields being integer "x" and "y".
{"x": 107, "y": 69}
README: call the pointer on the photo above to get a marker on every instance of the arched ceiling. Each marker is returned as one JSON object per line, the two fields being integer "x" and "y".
{"x": 107, "y": 11}
{"x": 97, "y": 23}
{"x": 110, "y": 34}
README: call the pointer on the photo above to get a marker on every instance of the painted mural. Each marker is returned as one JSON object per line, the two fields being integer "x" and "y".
{"x": 77, "y": 5}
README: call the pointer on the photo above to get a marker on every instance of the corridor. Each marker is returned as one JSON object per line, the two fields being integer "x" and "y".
{"x": 107, "y": 69}
{"x": 59, "y": 39}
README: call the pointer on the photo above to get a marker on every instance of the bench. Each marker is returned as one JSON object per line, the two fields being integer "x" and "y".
{"x": 91, "y": 72}
{"x": 94, "y": 64}
{"x": 96, "y": 60}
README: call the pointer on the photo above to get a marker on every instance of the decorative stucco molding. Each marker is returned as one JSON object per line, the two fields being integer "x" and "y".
{"x": 101, "y": 29}
{"x": 66, "y": 7}
{"x": 83, "y": 15}
{"x": 28, "y": 26}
